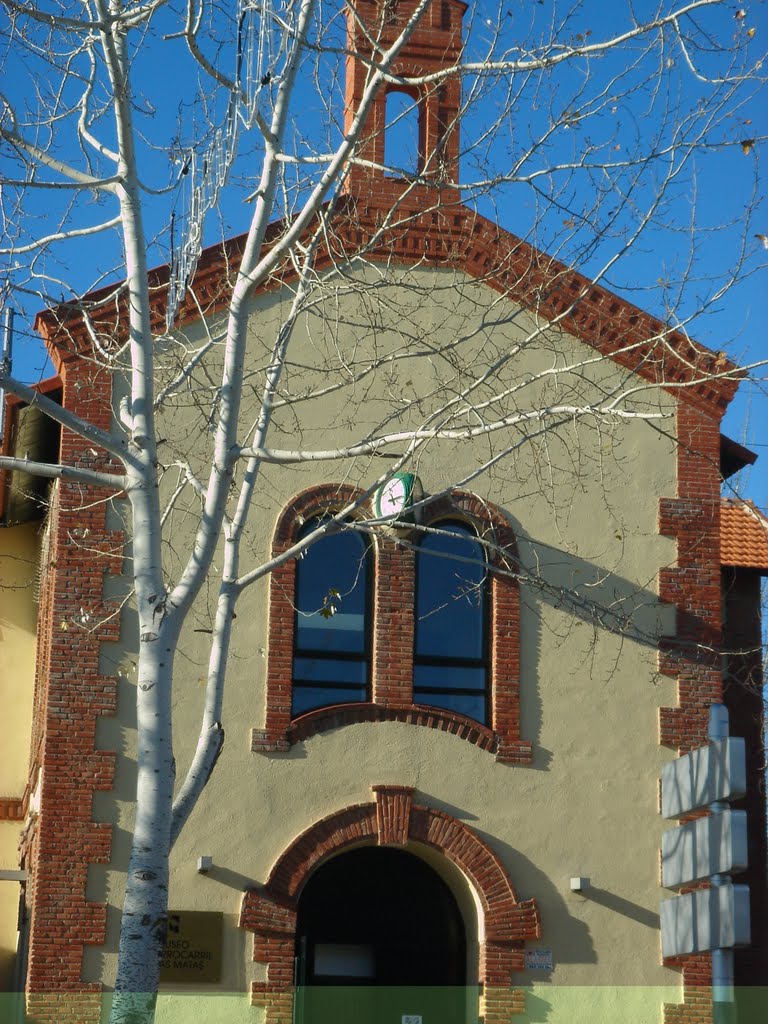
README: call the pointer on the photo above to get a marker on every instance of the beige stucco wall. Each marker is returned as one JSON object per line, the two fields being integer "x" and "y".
{"x": 9, "y": 904}
{"x": 583, "y": 501}
{"x": 18, "y": 613}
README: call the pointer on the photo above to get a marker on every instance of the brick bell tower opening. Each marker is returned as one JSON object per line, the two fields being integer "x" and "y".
{"x": 412, "y": 130}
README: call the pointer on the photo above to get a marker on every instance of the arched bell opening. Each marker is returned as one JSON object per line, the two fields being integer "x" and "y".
{"x": 404, "y": 134}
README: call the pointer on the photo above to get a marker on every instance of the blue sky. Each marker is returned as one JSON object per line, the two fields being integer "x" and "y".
{"x": 720, "y": 182}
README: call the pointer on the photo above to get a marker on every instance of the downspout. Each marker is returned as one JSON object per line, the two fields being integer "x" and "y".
{"x": 6, "y": 358}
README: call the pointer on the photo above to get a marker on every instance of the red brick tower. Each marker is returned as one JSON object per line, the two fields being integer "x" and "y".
{"x": 434, "y": 45}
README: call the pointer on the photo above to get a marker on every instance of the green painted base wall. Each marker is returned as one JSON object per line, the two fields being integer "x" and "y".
{"x": 545, "y": 1002}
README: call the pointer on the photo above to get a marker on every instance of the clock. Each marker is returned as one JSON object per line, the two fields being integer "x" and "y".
{"x": 395, "y": 495}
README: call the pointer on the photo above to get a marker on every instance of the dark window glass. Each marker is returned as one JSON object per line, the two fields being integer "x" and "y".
{"x": 461, "y": 703}
{"x": 330, "y": 670}
{"x": 331, "y": 640}
{"x": 450, "y": 676}
{"x": 310, "y": 698}
{"x": 450, "y": 669}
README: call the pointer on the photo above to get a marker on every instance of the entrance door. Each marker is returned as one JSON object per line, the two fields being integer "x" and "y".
{"x": 380, "y": 940}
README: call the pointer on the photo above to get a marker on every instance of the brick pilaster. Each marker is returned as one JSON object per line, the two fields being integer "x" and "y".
{"x": 70, "y": 696}
{"x": 692, "y": 656}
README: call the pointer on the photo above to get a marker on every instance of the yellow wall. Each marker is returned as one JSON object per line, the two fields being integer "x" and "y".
{"x": 9, "y": 904}
{"x": 18, "y": 612}
{"x": 583, "y": 502}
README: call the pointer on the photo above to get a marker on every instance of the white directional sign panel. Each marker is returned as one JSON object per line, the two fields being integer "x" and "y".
{"x": 714, "y": 772}
{"x": 716, "y": 918}
{"x": 716, "y": 845}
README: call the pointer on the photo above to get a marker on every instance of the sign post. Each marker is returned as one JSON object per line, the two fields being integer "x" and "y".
{"x": 715, "y": 919}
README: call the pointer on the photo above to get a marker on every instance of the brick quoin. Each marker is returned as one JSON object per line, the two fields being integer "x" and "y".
{"x": 70, "y": 694}
{"x": 393, "y": 818}
{"x": 393, "y": 632}
{"x": 691, "y": 656}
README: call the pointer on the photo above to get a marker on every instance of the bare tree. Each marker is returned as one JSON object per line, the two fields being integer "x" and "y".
{"x": 595, "y": 135}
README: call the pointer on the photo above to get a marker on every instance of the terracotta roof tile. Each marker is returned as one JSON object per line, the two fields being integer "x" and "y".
{"x": 743, "y": 535}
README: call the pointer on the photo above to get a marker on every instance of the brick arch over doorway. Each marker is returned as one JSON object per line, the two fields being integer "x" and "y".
{"x": 391, "y": 819}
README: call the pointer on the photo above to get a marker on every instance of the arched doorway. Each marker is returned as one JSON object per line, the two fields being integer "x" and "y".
{"x": 379, "y": 937}
{"x": 393, "y": 821}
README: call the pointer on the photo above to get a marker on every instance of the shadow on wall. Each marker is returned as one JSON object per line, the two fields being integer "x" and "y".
{"x": 619, "y": 905}
{"x": 585, "y": 594}
{"x": 573, "y": 942}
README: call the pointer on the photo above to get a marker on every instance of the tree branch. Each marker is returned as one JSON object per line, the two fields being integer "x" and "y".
{"x": 114, "y": 445}
{"x": 61, "y": 236}
{"x": 60, "y": 472}
{"x": 77, "y": 178}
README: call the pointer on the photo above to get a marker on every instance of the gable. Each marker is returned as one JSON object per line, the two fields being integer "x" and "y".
{"x": 445, "y": 236}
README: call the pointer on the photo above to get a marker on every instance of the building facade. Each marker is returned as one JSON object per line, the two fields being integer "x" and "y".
{"x": 431, "y": 727}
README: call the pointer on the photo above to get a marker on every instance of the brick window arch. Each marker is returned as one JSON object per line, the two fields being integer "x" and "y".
{"x": 393, "y": 629}
{"x": 392, "y": 819}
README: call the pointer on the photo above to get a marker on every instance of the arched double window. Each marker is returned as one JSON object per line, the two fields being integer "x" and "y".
{"x": 331, "y": 663}
{"x": 430, "y": 638}
{"x": 450, "y": 665}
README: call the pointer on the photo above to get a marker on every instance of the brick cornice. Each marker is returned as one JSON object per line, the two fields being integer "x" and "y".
{"x": 11, "y": 808}
{"x": 430, "y": 228}
{"x": 12, "y": 404}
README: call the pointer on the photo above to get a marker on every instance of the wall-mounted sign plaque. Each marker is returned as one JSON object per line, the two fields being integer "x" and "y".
{"x": 193, "y": 948}
{"x": 539, "y": 960}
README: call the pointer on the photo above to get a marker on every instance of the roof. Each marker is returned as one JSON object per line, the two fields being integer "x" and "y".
{"x": 743, "y": 535}
{"x": 734, "y": 456}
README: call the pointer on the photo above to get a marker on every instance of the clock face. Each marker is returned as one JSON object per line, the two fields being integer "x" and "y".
{"x": 393, "y": 497}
